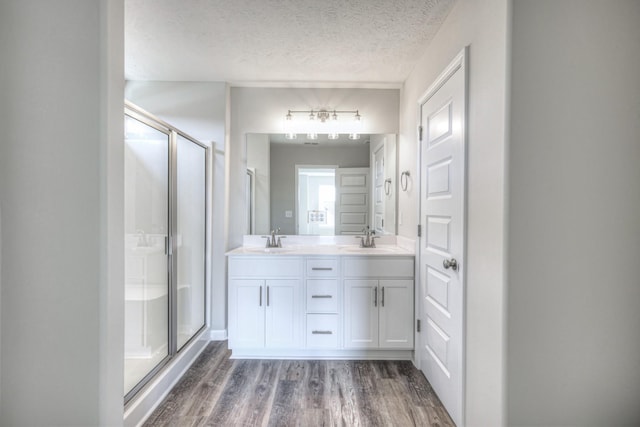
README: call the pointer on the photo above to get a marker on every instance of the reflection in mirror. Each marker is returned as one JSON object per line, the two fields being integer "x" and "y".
{"x": 315, "y": 204}
{"x": 363, "y": 187}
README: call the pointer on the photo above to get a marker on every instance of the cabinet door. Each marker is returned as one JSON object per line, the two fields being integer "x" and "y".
{"x": 396, "y": 313}
{"x": 246, "y": 313}
{"x": 361, "y": 302}
{"x": 283, "y": 308}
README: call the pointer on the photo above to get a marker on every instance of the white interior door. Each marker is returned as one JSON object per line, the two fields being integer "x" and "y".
{"x": 442, "y": 245}
{"x": 378, "y": 190}
{"x": 352, "y": 200}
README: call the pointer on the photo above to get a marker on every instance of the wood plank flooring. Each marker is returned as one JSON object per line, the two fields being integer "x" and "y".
{"x": 218, "y": 391}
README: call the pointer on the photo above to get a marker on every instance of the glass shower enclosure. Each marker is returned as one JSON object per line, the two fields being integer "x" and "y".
{"x": 165, "y": 244}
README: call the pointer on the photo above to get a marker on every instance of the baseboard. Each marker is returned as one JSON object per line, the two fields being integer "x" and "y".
{"x": 218, "y": 335}
{"x": 140, "y": 408}
{"x": 314, "y": 354}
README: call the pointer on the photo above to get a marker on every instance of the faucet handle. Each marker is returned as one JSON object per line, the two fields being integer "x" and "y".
{"x": 266, "y": 237}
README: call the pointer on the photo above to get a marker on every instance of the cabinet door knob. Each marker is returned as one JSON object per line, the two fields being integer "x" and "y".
{"x": 450, "y": 263}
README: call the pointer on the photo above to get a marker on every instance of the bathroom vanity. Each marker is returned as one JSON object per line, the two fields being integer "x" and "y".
{"x": 321, "y": 301}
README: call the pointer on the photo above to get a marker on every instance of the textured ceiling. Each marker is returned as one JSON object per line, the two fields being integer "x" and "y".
{"x": 375, "y": 41}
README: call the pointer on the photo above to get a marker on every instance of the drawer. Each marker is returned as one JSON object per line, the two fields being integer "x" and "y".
{"x": 322, "y": 330}
{"x": 322, "y": 267}
{"x": 322, "y": 296}
{"x": 378, "y": 267}
{"x": 265, "y": 266}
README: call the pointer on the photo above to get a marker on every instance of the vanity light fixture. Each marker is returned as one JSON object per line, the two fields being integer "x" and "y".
{"x": 288, "y": 129}
{"x": 322, "y": 121}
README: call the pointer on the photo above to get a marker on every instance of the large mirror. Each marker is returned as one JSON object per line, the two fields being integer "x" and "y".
{"x": 321, "y": 186}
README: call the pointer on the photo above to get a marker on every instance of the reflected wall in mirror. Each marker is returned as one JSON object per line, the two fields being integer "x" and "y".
{"x": 291, "y": 184}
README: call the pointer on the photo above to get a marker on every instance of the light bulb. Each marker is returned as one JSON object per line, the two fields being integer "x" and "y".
{"x": 312, "y": 136}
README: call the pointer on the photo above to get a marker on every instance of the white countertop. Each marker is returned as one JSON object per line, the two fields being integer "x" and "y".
{"x": 348, "y": 250}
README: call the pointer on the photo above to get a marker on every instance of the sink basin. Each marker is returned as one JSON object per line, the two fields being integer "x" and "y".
{"x": 259, "y": 250}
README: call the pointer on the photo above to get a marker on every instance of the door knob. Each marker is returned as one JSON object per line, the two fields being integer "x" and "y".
{"x": 450, "y": 263}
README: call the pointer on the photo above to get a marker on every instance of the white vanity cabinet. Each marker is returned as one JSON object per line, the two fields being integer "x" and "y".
{"x": 325, "y": 305}
{"x": 265, "y": 301}
{"x": 378, "y": 303}
{"x": 322, "y": 295}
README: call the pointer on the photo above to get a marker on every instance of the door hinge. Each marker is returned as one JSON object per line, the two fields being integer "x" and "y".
{"x": 383, "y": 223}
{"x": 419, "y": 230}
{"x": 420, "y": 133}
{"x": 418, "y": 325}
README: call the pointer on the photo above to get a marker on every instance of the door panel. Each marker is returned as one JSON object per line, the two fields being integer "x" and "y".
{"x": 442, "y": 214}
{"x": 191, "y": 237}
{"x": 246, "y": 315}
{"x": 396, "y": 313}
{"x": 146, "y": 221}
{"x": 378, "y": 192}
{"x": 361, "y": 313}
{"x": 352, "y": 200}
{"x": 283, "y": 313}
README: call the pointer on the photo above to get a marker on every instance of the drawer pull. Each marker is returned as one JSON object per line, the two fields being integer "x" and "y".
{"x": 321, "y": 296}
{"x": 322, "y": 268}
{"x": 322, "y": 332}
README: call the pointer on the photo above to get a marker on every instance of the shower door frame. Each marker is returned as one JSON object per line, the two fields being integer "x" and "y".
{"x": 152, "y": 121}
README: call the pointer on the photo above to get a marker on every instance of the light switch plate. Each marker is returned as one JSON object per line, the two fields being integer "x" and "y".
{"x": 288, "y": 214}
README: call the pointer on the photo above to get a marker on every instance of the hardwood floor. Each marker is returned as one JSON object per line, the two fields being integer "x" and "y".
{"x": 218, "y": 391}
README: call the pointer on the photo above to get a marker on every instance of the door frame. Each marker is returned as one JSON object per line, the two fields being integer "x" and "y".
{"x": 297, "y": 189}
{"x": 460, "y": 62}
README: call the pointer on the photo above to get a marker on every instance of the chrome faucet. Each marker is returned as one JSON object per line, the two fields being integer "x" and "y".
{"x": 271, "y": 240}
{"x": 368, "y": 240}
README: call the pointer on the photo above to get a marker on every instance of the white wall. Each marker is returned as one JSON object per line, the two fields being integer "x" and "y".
{"x": 482, "y": 24}
{"x": 199, "y": 109}
{"x": 61, "y": 88}
{"x": 262, "y": 110}
{"x": 574, "y": 230}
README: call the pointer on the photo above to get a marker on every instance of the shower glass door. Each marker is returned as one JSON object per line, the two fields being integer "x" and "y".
{"x": 146, "y": 250}
{"x": 190, "y": 238}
